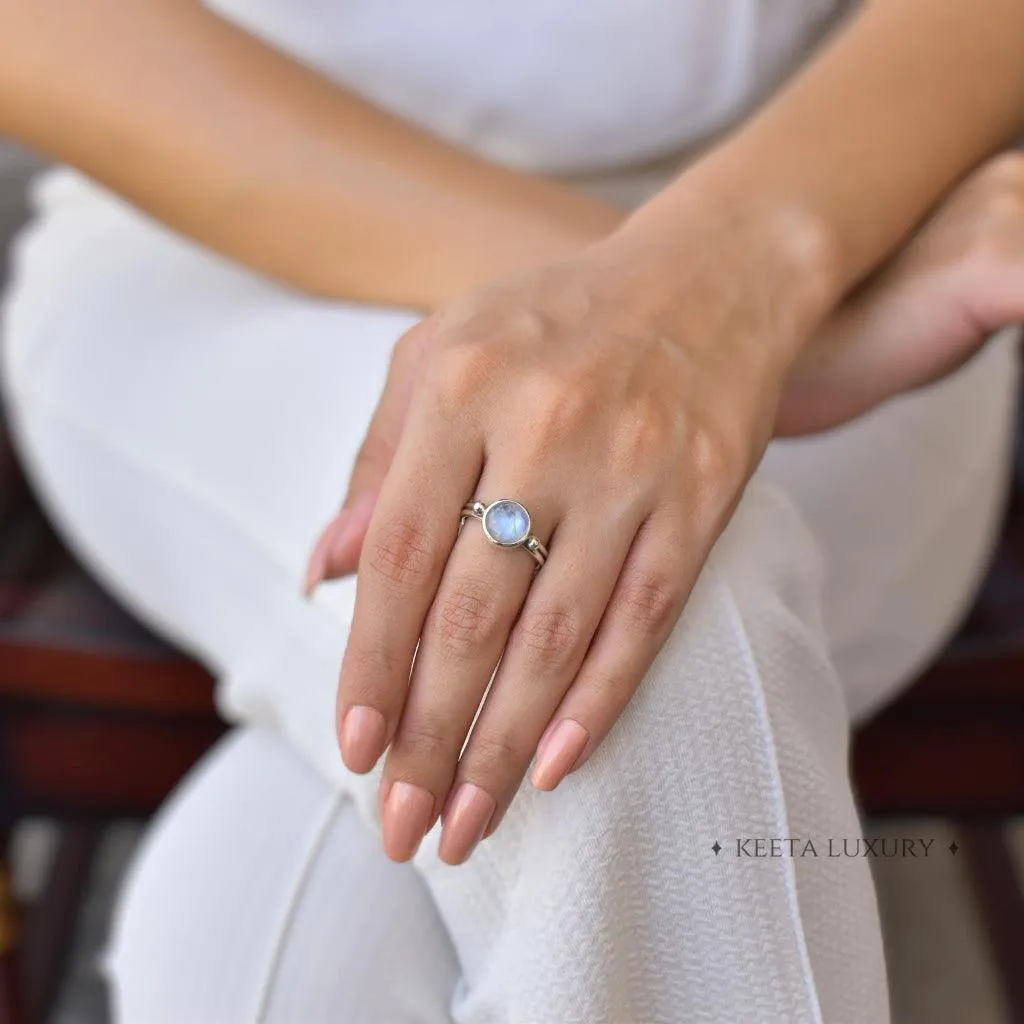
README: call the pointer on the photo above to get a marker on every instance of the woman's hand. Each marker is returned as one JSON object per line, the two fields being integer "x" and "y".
{"x": 590, "y": 376}
{"x": 955, "y": 282}
{"x": 625, "y": 409}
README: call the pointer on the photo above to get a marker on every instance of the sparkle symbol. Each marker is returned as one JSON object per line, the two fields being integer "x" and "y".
{"x": 716, "y": 848}
{"x": 953, "y": 847}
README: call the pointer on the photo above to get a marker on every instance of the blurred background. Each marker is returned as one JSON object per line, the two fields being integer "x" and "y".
{"x": 99, "y": 719}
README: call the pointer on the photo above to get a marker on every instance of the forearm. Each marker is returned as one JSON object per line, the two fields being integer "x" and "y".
{"x": 849, "y": 156}
{"x": 234, "y": 144}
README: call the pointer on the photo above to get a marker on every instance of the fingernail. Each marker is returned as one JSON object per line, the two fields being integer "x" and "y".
{"x": 352, "y": 520}
{"x": 341, "y": 533}
{"x": 558, "y": 753}
{"x": 408, "y": 814}
{"x": 317, "y": 564}
{"x": 363, "y": 733}
{"x": 465, "y": 822}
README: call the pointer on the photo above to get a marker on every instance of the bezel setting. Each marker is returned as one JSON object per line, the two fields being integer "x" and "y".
{"x": 508, "y": 505}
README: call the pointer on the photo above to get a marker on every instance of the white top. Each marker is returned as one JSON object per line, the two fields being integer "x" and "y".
{"x": 563, "y": 86}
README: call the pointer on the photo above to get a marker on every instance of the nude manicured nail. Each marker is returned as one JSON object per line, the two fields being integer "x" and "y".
{"x": 317, "y": 565}
{"x": 558, "y": 753}
{"x": 408, "y": 813}
{"x": 350, "y": 522}
{"x": 329, "y": 549}
{"x": 465, "y": 822}
{"x": 363, "y": 735}
{"x": 341, "y": 538}
{"x": 342, "y": 558}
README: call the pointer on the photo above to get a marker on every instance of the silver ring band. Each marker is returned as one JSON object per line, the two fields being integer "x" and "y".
{"x": 506, "y": 523}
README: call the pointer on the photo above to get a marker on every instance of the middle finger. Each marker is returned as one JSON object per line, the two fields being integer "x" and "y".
{"x": 543, "y": 656}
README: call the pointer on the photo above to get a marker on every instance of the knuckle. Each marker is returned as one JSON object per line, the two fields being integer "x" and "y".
{"x": 996, "y": 211}
{"x": 402, "y": 553}
{"x": 1005, "y": 172}
{"x": 607, "y": 689}
{"x": 370, "y": 665}
{"x": 550, "y": 638}
{"x": 414, "y": 343}
{"x": 527, "y": 324}
{"x": 563, "y": 400}
{"x": 467, "y": 617}
{"x": 650, "y": 603}
{"x": 1003, "y": 207}
{"x": 367, "y": 672}
{"x": 558, "y": 410}
{"x": 719, "y": 453}
{"x": 424, "y": 741}
{"x": 641, "y": 437}
{"x": 456, "y": 377}
{"x": 497, "y": 756}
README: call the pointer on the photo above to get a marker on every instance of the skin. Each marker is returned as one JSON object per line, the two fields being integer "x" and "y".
{"x": 620, "y": 376}
{"x": 958, "y": 279}
{"x": 627, "y": 404}
{"x": 573, "y": 654}
{"x": 284, "y": 172}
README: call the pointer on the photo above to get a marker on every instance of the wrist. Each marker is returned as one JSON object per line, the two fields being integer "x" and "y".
{"x": 539, "y": 224}
{"x": 460, "y": 247}
{"x": 520, "y": 238}
{"x": 781, "y": 259}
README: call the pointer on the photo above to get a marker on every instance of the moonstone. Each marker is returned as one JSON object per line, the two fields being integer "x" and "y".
{"x": 506, "y": 522}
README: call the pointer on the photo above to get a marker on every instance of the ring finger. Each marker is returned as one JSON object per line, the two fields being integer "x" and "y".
{"x": 480, "y": 594}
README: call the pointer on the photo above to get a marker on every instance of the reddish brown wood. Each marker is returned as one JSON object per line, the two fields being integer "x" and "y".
{"x": 59, "y": 759}
{"x": 101, "y": 735}
{"x": 954, "y": 743}
{"x": 933, "y": 767}
{"x": 995, "y": 677}
{"x": 168, "y": 685}
{"x": 87, "y": 733}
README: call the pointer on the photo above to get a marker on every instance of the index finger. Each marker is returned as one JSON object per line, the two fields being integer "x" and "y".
{"x": 407, "y": 543}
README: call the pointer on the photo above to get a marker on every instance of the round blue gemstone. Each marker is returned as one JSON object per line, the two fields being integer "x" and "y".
{"x": 507, "y": 522}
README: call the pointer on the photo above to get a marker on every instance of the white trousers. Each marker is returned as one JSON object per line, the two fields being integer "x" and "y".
{"x": 191, "y": 427}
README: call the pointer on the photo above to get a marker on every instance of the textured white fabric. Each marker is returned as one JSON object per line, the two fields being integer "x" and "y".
{"x": 191, "y": 427}
{"x": 241, "y": 943}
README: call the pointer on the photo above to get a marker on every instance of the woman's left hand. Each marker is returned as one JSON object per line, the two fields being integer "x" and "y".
{"x": 625, "y": 407}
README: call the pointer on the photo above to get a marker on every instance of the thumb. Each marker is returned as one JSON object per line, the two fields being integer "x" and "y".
{"x": 337, "y": 550}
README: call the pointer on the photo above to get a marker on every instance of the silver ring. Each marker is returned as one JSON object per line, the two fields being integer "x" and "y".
{"x": 506, "y": 523}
